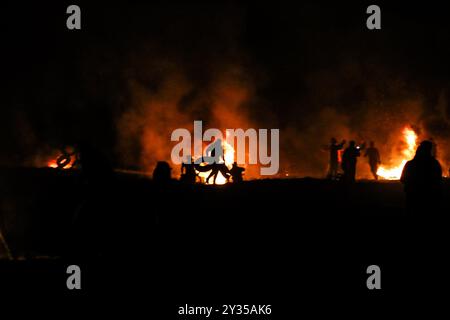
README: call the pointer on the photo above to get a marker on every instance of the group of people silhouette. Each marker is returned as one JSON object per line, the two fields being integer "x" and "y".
{"x": 350, "y": 158}
{"x": 213, "y": 162}
{"x": 421, "y": 176}
{"x": 190, "y": 172}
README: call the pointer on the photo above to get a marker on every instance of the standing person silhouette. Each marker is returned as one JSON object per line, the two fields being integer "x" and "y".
{"x": 374, "y": 158}
{"x": 422, "y": 180}
{"x": 334, "y": 149}
{"x": 349, "y": 159}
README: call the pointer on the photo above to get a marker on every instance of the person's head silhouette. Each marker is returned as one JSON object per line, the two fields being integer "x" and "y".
{"x": 424, "y": 150}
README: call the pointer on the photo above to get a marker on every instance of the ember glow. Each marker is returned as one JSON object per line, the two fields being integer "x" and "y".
{"x": 394, "y": 172}
{"x": 64, "y": 160}
{"x": 53, "y": 164}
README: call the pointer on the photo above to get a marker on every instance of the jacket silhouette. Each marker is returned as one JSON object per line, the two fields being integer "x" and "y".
{"x": 422, "y": 180}
{"x": 349, "y": 159}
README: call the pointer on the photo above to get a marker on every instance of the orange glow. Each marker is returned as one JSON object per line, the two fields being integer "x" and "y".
{"x": 53, "y": 163}
{"x": 394, "y": 172}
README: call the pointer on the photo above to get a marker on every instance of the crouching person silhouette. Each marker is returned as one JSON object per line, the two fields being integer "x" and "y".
{"x": 188, "y": 174}
{"x": 237, "y": 172}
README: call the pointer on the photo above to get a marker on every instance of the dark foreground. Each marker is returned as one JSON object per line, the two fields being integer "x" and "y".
{"x": 300, "y": 244}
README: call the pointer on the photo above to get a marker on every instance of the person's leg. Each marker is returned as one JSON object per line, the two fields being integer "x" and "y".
{"x": 330, "y": 171}
{"x": 353, "y": 173}
{"x": 210, "y": 175}
{"x": 334, "y": 170}
{"x": 225, "y": 172}
{"x": 373, "y": 171}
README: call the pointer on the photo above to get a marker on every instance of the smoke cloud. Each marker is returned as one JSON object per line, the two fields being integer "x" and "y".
{"x": 126, "y": 86}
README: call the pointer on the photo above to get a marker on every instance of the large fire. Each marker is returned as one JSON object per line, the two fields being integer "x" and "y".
{"x": 395, "y": 172}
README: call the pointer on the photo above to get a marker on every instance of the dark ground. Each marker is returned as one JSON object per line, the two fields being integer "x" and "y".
{"x": 298, "y": 244}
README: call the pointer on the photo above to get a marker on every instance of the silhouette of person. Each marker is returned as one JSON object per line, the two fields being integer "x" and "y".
{"x": 236, "y": 172}
{"x": 349, "y": 159}
{"x": 422, "y": 180}
{"x": 162, "y": 172}
{"x": 334, "y": 148}
{"x": 216, "y": 168}
{"x": 188, "y": 173}
{"x": 374, "y": 158}
{"x": 434, "y": 148}
{"x": 215, "y": 158}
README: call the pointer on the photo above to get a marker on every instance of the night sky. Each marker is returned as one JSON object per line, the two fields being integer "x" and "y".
{"x": 312, "y": 69}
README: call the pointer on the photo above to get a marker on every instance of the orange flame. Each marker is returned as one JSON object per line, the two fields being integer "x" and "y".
{"x": 394, "y": 172}
{"x": 52, "y": 164}
{"x": 65, "y": 159}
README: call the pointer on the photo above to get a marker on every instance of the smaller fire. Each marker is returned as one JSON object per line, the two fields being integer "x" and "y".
{"x": 395, "y": 172}
{"x": 52, "y": 164}
{"x": 66, "y": 159}
{"x": 228, "y": 153}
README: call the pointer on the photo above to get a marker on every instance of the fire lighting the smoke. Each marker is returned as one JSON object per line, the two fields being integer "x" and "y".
{"x": 394, "y": 172}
